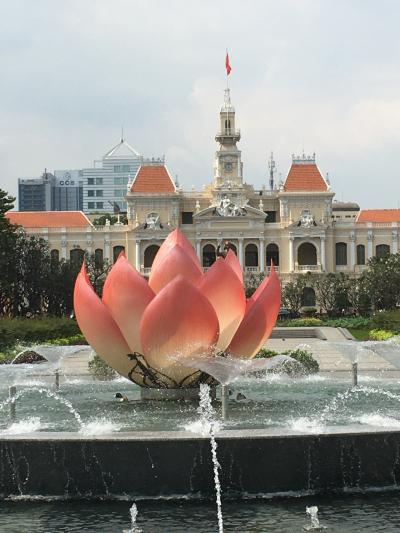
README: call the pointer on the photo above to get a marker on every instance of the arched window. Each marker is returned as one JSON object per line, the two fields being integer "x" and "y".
{"x": 116, "y": 251}
{"x": 98, "y": 258}
{"x": 341, "y": 253}
{"x": 307, "y": 254}
{"x": 227, "y": 126}
{"x": 382, "y": 250}
{"x": 272, "y": 254}
{"x": 209, "y": 255}
{"x": 149, "y": 255}
{"x": 251, "y": 256}
{"x": 308, "y": 297}
{"x": 76, "y": 257}
{"x": 360, "y": 254}
{"x": 54, "y": 256}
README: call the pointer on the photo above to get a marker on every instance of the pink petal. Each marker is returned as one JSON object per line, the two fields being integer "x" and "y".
{"x": 179, "y": 321}
{"x": 234, "y": 263}
{"x": 98, "y": 326}
{"x": 127, "y": 294}
{"x": 176, "y": 262}
{"x": 174, "y": 238}
{"x": 259, "y": 320}
{"x": 221, "y": 285}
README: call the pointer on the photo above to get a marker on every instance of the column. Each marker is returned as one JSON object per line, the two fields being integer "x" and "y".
{"x": 107, "y": 252}
{"x": 137, "y": 255}
{"x": 198, "y": 249}
{"x": 352, "y": 255}
{"x": 241, "y": 255}
{"x": 291, "y": 254}
{"x": 323, "y": 254}
{"x": 261, "y": 255}
{"x": 370, "y": 238}
{"x": 395, "y": 239}
{"x": 64, "y": 247}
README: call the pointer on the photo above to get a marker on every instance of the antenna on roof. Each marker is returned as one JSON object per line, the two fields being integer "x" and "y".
{"x": 122, "y": 133}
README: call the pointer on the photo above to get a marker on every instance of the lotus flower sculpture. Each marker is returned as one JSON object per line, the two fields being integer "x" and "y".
{"x": 143, "y": 328}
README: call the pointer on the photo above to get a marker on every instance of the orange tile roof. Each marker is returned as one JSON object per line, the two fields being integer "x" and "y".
{"x": 304, "y": 177}
{"x": 379, "y": 215}
{"x": 153, "y": 178}
{"x": 48, "y": 219}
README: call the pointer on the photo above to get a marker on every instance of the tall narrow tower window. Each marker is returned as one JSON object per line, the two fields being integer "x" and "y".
{"x": 227, "y": 126}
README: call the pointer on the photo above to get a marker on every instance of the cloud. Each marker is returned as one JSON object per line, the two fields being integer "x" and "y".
{"x": 322, "y": 76}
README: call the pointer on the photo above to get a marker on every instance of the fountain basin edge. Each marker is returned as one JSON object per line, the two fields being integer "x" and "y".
{"x": 149, "y": 465}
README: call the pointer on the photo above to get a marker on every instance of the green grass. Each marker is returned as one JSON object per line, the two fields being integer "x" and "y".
{"x": 360, "y": 334}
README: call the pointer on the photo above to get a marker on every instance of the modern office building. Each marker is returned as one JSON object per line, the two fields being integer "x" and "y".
{"x": 105, "y": 184}
{"x": 67, "y": 193}
{"x": 35, "y": 194}
{"x": 58, "y": 191}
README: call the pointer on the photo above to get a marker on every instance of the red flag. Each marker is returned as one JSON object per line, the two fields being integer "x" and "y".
{"x": 227, "y": 65}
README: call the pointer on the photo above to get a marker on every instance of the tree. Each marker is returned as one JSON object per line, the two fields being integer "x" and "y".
{"x": 382, "y": 281}
{"x": 6, "y": 204}
{"x": 292, "y": 294}
{"x": 329, "y": 291}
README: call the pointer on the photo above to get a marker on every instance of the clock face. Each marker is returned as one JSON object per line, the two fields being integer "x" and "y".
{"x": 228, "y": 167}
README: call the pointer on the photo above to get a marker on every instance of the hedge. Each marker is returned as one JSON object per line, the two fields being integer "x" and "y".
{"x": 33, "y": 330}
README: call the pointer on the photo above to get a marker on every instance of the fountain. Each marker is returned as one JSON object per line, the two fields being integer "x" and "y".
{"x": 133, "y": 511}
{"x": 315, "y": 525}
{"x": 184, "y": 333}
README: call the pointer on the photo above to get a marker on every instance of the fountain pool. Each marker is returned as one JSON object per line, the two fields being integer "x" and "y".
{"x": 314, "y": 404}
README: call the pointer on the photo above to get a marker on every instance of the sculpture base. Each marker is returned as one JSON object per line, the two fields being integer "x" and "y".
{"x": 173, "y": 394}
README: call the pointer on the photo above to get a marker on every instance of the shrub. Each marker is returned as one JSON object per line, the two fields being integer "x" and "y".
{"x": 68, "y": 341}
{"x": 302, "y": 322}
{"x": 308, "y": 311}
{"x": 380, "y": 335}
{"x": 305, "y": 358}
{"x": 34, "y": 330}
{"x": 310, "y": 365}
{"x": 100, "y": 368}
{"x": 388, "y": 320}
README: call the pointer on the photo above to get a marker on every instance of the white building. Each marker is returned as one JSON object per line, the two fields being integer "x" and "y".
{"x": 105, "y": 184}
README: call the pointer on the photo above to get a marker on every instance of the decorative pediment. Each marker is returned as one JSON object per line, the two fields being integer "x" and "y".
{"x": 215, "y": 212}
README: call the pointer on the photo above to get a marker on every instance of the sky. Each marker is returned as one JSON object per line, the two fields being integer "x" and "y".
{"x": 317, "y": 76}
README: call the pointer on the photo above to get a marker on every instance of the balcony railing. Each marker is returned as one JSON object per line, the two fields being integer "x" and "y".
{"x": 146, "y": 271}
{"x": 251, "y": 269}
{"x": 306, "y": 268}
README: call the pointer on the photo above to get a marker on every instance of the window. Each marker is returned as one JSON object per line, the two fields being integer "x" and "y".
{"x": 251, "y": 255}
{"x": 209, "y": 255}
{"x": 382, "y": 250}
{"x": 99, "y": 205}
{"x": 90, "y": 181}
{"x": 90, "y": 194}
{"x": 270, "y": 217}
{"x": 76, "y": 257}
{"x": 122, "y": 168}
{"x": 54, "y": 256}
{"x": 116, "y": 251}
{"x": 121, "y": 181}
{"x": 187, "y": 217}
{"x": 341, "y": 253}
{"x": 360, "y": 254}
{"x": 119, "y": 192}
{"x": 90, "y": 205}
{"x": 272, "y": 254}
{"x": 99, "y": 181}
{"x": 98, "y": 258}
{"x": 99, "y": 193}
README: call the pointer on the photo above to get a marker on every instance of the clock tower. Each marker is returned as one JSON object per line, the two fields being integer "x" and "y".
{"x": 228, "y": 166}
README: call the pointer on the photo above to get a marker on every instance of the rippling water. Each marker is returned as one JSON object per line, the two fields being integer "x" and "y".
{"x": 310, "y": 404}
{"x": 366, "y": 514}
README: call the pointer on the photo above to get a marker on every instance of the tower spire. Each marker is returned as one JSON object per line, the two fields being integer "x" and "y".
{"x": 271, "y": 166}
